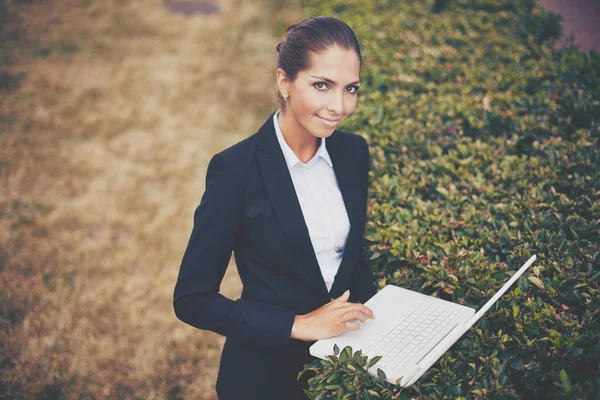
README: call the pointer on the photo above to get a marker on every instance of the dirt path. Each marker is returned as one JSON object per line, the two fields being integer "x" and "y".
{"x": 109, "y": 113}
{"x": 581, "y": 19}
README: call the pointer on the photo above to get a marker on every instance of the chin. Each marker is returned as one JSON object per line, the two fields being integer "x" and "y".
{"x": 317, "y": 130}
{"x": 323, "y": 133}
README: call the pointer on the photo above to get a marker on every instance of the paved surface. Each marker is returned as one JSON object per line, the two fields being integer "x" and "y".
{"x": 192, "y": 7}
{"x": 581, "y": 19}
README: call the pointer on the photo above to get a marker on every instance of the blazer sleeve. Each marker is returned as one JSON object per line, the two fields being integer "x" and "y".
{"x": 363, "y": 281}
{"x": 196, "y": 299}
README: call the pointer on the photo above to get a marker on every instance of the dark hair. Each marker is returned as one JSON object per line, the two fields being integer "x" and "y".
{"x": 314, "y": 34}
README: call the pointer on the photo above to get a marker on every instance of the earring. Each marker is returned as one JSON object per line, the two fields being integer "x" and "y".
{"x": 284, "y": 98}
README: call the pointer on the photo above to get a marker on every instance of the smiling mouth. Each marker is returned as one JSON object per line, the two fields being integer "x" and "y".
{"x": 329, "y": 120}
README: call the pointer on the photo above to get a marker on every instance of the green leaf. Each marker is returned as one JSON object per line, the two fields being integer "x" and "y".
{"x": 373, "y": 361}
{"x": 517, "y": 364}
{"x": 563, "y": 375}
{"x": 320, "y": 396}
{"x": 442, "y": 190}
{"x": 553, "y": 333}
{"x": 334, "y": 376}
{"x": 346, "y": 354}
{"x": 564, "y": 379}
{"x": 536, "y": 281}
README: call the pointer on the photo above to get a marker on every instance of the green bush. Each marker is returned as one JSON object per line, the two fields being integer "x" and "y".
{"x": 484, "y": 150}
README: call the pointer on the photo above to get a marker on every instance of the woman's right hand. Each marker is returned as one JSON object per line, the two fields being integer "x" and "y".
{"x": 331, "y": 319}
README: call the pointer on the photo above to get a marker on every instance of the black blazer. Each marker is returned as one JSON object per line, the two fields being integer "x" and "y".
{"x": 250, "y": 207}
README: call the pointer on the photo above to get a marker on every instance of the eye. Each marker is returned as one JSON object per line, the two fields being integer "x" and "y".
{"x": 325, "y": 84}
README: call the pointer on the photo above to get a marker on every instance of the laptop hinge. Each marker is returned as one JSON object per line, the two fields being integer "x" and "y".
{"x": 438, "y": 342}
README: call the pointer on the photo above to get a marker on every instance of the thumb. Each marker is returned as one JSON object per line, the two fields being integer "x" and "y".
{"x": 344, "y": 296}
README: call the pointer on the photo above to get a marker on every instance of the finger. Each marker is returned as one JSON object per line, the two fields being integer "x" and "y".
{"x": 352, "y": 326}
{"x": 368, "y": 311}
{"x": 340, "y": 308}
{"x": 344, "y": 296}
{"x": 343, "y": 308}
{"x": 365, "y": 310}
{"x": 354, "y": 314}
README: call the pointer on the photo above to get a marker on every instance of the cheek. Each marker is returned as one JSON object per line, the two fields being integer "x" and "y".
{"x": 308, "y": 102}
{"x": 305, "y": 100}
{"x": 351, "y": 104}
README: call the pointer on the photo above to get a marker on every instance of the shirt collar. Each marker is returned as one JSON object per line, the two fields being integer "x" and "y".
{"x": 290, "y": 156}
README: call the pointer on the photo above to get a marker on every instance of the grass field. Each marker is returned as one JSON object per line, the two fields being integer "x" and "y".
{"x": 109, "y": 113}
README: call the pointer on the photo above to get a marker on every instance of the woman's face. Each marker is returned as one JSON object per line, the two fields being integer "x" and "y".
{"x": 326, "y": 93}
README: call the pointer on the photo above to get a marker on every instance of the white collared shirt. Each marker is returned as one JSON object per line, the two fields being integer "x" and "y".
{"x": 322, "y": 205}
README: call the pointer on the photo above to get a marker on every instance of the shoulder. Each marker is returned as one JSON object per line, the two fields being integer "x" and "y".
{"x": 235, "y": 158}
{"x": 350, "y": 138}
{"x": 352, "y": 141}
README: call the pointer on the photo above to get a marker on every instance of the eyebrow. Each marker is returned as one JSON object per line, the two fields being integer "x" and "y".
{"x": 333, "y": 82}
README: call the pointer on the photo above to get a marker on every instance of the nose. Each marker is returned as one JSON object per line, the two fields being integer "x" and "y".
{"x": 336, "y": 105}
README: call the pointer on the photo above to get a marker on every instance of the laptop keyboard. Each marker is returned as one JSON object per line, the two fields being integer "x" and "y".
{"x": 418, "y": 325}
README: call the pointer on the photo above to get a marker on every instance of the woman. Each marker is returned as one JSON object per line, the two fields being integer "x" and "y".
{"x": 290, "y": 202}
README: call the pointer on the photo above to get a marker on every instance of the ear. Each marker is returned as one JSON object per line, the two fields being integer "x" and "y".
{"x": 282, "y": 82}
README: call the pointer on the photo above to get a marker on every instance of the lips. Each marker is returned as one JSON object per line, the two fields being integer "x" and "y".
{"x": 328, "y": 122}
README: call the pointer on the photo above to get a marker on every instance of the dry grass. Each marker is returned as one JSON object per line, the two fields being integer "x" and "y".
{"x": 104, "y": 144}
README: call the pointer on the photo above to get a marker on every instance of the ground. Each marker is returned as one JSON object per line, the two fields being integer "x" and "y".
{"x": 109, "y": 114}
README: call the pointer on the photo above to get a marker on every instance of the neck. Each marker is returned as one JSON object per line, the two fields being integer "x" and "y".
{"x": 302, "y": 143}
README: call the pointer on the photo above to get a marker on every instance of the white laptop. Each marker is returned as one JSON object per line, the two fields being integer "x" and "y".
{"x": 411, "y": 330}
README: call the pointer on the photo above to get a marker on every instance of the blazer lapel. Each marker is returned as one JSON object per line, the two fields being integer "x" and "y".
{"x": 347, "y": 173}
{"x": 284, "y": 200}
